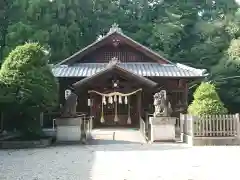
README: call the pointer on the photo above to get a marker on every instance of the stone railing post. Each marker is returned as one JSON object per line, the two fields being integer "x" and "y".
{"x": 182, "y": 120}
{"x": 191, "y": 128}
{"x": 238, "y": 125}
{"x": 150, "y": 135}
{"x": 189, "y": 134}
{"x": 83, "y": 129}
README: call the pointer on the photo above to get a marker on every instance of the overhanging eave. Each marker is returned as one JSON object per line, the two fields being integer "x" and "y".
{"x": 116, "y": 70}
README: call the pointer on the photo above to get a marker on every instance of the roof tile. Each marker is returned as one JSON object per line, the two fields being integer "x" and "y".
{"x": 142, "y": 69}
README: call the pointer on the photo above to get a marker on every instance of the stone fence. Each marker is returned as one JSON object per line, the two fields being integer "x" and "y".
{"x": 210, "y": 129}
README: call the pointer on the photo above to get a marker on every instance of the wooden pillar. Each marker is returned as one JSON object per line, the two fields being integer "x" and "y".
{"x": 91, "y": 104}
{"x": 93, "y": 110}
{"x": 186, "y": 93}
{"x": 139, "y": 106}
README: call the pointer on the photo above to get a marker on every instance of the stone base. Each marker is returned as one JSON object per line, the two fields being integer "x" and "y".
{"x": 210, "y": 141}
{"x": 68, "y": 129}
{"x": 162, "y": 128}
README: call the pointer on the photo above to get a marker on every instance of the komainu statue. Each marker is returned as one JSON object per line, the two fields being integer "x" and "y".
{"x": 69, "y": 108}
{"x": 162, "y": 104}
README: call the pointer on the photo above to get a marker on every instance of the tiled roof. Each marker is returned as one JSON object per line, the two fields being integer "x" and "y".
{"x": 141, "y": 69}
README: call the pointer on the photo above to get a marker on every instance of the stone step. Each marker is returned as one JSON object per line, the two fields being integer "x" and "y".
{"x": 117, "y": 136}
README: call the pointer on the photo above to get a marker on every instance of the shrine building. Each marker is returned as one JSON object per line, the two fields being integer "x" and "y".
{"x": 116, "y": 77}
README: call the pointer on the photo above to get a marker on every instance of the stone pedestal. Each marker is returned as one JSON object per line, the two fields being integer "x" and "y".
{"x": 162, "y": 128}
{"x": 68, "y": 129}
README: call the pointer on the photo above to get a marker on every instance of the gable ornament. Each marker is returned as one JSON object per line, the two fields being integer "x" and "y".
{"x": 115, "y": 28}
{"x": 113, "y": 61}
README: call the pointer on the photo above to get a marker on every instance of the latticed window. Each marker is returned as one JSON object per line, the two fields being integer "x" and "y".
{"x": 123, "y": 56}
{"x": 108, "y": 56}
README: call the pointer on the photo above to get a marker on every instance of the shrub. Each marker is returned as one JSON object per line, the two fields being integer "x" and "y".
{"x": 31, "y": 84}
{"x": 206, "y": 101}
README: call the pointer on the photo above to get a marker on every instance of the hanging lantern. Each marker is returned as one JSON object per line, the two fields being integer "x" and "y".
{"x": 120, "y": 99}
{"x": 115, "y": 98}
{"x": 125, "y": 100}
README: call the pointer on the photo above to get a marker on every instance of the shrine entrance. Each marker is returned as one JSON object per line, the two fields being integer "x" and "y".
{"x": 115, "y": 96}
{"x": 116, "y": 109}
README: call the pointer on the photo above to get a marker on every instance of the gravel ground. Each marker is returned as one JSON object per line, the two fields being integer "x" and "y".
{"x": 121, "y": 162}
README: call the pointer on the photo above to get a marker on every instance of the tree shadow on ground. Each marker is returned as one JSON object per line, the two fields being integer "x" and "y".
{"x": 55, "y": 162}
{"x": 114, "y": 145}
{"x": 120, "y": 145}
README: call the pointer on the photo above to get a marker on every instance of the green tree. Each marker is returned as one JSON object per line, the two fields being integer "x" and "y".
{"x": 206, "y": 101}
{"x": 63, "y": 26}
{"x": 31, "y": 83}
{"x": 226, "y": 75}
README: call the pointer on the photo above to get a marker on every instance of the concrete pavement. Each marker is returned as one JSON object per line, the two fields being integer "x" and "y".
{"x": 121, "y": 162}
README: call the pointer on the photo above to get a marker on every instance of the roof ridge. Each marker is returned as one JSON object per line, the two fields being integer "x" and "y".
{"x": 105, "y": 63}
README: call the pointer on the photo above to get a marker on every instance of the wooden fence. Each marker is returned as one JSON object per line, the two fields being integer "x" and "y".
{"x": 210, "y": 126}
